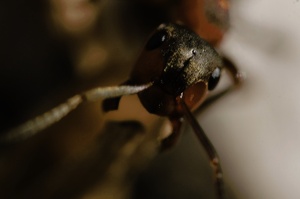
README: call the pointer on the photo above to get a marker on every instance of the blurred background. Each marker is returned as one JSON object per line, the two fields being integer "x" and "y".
{"x": 51, "y": 50}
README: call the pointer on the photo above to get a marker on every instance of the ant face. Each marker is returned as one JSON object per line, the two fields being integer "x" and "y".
{"x": 179, "y": 63}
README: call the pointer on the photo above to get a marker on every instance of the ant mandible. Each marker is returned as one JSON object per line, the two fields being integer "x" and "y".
{"x": 172, "y": 77}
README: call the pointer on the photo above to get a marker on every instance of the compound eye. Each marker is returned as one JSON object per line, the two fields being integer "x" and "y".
{"x": 214, "y": 79}
{"x": 156, "y": 40}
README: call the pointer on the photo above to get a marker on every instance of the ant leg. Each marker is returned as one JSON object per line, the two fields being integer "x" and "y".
{"x": 172, "y": 139}
{"x": 112, "y": 103}
{"x": 209, "y": 148}
{"x": 43, "y": 121}
{"x": 235, "y": 74}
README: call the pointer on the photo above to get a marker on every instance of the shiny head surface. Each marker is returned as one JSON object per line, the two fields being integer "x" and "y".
{"x": 179, "y": 63}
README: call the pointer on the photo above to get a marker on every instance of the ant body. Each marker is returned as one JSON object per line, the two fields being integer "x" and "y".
{"x": 172, "y": 76}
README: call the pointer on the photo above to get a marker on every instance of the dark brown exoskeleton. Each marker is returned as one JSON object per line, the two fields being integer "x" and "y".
{"x": 172, "y": 76}
{"x": 182, "y": 68}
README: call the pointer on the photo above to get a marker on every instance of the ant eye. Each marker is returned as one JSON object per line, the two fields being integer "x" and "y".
{"x": 214, "y": 79}
{"x": 156, "y": 40}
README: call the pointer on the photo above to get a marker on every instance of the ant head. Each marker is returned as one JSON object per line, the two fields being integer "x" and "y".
{"x": 187, "y": 59}
{"x": 179, "y": 62}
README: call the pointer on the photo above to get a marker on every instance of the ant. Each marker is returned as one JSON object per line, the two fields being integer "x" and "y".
{"x": 172, "y": 77}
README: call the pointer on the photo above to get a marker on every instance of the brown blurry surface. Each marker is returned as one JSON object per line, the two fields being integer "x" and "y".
{"x": 51, "y": 50}
{"x": 208, "y": 18}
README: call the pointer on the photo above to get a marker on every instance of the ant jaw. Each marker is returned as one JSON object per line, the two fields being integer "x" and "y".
{"x": 194, "y": 95}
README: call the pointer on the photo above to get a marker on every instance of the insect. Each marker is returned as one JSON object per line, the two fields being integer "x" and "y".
{"x": 172, "y": 76}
